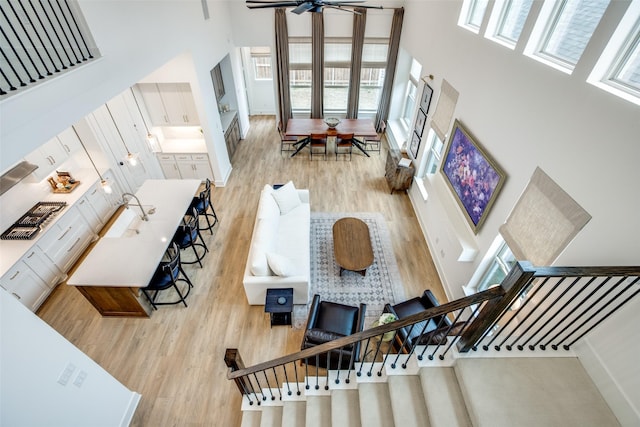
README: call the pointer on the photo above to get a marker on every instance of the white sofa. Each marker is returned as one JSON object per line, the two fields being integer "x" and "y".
{"x": 279, "y": 255}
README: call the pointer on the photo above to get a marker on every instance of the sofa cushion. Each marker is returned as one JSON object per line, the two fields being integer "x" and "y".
{"x": 280, "y": 264}
{"x": 320, "y": 336}
{"x": 267, "y": 207}
{"x": 287, "y": 198}
{"x": 263, "y": 242}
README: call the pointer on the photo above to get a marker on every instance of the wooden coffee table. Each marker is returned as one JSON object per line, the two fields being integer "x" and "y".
{"x": 352, "y": 245}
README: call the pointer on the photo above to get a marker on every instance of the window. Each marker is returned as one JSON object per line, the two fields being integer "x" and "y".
{"x": 563, "y": 31}
{"x": 411, "y": 93}
{"x": 626, "y": 72}
{"x": 374, "y": 65}
{"x": 337, "y": 70}
{"x": 300, "y": 74}
{"x": 435, "y": 152}
{"x": 261, "y": 61}
{"x": 472, "y": 14}
{"x": 507, "y": 20}
{"x": 498, "y": 268}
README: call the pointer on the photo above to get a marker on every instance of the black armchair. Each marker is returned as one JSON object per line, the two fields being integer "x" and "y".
{"x": 436, "y": 327}
{"x": 329, "y": 321}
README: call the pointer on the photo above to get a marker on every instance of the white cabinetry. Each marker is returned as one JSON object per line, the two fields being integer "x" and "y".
{"x": 48, "y": 157}
{"x": 69, "y": 141}
{"x": 95, "y": 209}
{"x": 65, "y": 240}
{"x": 169, "y": 104}
{"x": 43, "y": 267}
{"x": 169, "y": 166}
{"x": 186, "y": 166}
{"x": 24, "y": 284}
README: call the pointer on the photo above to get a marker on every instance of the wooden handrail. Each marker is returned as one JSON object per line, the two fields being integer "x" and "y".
{"x": 440, "y": 310}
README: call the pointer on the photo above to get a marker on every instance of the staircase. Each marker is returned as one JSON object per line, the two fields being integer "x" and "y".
{"x": 467, "y": 391}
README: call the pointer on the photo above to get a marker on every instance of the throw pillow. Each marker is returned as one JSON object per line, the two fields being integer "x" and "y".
{"x": 280, "y": 265}
{"x": 287, "y": 198}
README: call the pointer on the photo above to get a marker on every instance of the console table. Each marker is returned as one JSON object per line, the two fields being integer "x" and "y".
{"x": 398, "y": 177}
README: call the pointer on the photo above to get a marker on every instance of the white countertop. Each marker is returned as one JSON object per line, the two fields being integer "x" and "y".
{"x": 192, "y": 145}
{"x": 226, "y": 118}
{"x": 131, "y": 260}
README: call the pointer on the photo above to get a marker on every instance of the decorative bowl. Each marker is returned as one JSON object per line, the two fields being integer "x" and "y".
{"x": 332, "y": 122}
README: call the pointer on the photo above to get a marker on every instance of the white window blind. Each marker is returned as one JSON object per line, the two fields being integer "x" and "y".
{"x": 543, "y": 221}
{"x": 444, "y": 110}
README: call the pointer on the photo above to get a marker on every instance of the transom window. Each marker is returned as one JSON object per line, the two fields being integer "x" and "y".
{"x": 507, "y": 20}
{"x": 436, "y": 145}
{"x": 411, "y": 93}
{"x": 626, "y": 72}
{"x": 472, "y": 14}
{"x": 337, "y": 70}
{"x": 261, "y": 60}
{"x": 498, "y": 269}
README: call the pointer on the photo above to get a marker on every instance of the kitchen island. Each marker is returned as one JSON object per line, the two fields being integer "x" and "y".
{"x": 127, "y": 255}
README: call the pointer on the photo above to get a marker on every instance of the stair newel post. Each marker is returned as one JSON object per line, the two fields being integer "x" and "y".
{"x": 234, "y": 362}
{"x": 510, "y": 288}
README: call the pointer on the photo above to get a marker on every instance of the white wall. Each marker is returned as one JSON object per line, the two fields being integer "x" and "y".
{"x": 526, "y": 114}
{"x": 30, "y": 394}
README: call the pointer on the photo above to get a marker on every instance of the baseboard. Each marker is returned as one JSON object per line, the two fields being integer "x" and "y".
{"x": 611, "y": 391}
{"x": 131, "y": 409}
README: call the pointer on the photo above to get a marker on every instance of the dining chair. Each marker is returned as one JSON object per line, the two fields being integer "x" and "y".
{"x": 188, "y": 234}
{"x": 318, "y": 140}
{"x": 203, "y": 205}
{"x": 344, "y": 142}
{"x": 166, "y": 277}
{"x": 373, "y": 143}
{"x": 287, "y": 143}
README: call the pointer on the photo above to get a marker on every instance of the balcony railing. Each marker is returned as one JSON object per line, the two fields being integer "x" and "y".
{"x": 40, "y": 39}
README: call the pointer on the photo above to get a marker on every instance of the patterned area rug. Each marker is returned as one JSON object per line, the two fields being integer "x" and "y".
{"x": 381, "y": 284}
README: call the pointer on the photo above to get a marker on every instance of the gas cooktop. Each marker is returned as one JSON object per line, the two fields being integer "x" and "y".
{"x": 32, "y": 222}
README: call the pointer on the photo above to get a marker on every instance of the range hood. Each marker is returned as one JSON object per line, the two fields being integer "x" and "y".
{"x": 15, "y": 175}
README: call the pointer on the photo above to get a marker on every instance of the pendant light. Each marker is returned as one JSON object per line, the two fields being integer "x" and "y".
{"x": 106, "y": 187}
{"x": 152, "y": 140}
{"x": 131, "y": 158}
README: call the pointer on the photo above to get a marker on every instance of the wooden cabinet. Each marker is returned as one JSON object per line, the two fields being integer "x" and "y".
{"x": 398, "y": 177}
{"x": 65, "y": 240}
{"x": 218, "y": 82}
{"x": 232, "y": 136}
{"x": 169, "y": 104}
{"x": 186, "y": 166}
{"x": 48, "y": 157}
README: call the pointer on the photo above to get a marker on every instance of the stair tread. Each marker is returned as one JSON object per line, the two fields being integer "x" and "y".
{"x": 294, "y": 414}
{"x": 251, "y": 418}
{"x": 443, "y": 398}
{"x": 271, "y": 416}
{"x": 375, "y": 405}
{"x": 407, "y": 401}
{"x": 345, "y": 408}
{"x": 318, "y": 411}
{"x": 531, "y": 392}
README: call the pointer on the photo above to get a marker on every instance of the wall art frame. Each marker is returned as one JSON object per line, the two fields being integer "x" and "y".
{"x": 425, "y": 99}
{"x": 421, "y": 119}
{"x": 414, "y": 145}
{"x": 473, "y": 177}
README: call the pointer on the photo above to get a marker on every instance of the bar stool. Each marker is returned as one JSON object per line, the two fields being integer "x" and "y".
{"x": 203, "y": 204}
{"x": 188, "y": 234}
{"x": 166, "y": 277}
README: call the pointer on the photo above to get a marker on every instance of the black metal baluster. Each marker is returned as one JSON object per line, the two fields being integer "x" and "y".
{"x": 68, "y": 27}
{"x": 560, "y": 310}
{"x": 439, "y": 343}
{"x": 53, "y": 27}
{"x": 326, "y": 384}
{"x": 545, "y": 311}
{"x": 78, "y": 28}
{"x": 26, "y": 70}
{"x": 245, "y": 391}
{"x": 11, "y": 86}
{"x": 12, "y": 69}
{"x": 524, "y": 304}
{"x": 566, "y": 347}
{"x": 259, "y": 388}
{"x": 317, "y": 364}
{"x": 46, "y": 33}
{"x": 35, "y": 30}
{"x": 441, "y": 356}
{"x": 461, "y": 331}
{"x": 339, "y": 365}
{"x": 264, "y": 373}
{"x": 24, "y": 48}
{"x": 275, "y": 378}
{"x": 585, "y": 311}
{"x": 404, "y": 342}
{"x": 352, "y": 362}
{"x": 26, "y": 33}
{"x": 295, "y": 371}
{"x": 366, "y": 347}
{"x": 64, "y": 33}
{"x": 306, "y": 376}
{"x": 386, "y": 356}
{"x": 286, "y": 380}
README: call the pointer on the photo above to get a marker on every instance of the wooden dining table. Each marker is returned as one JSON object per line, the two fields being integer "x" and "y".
{"x": 305, "y": 127}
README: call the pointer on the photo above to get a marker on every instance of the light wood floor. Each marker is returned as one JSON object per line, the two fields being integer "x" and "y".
{"x": 175, "y": 358}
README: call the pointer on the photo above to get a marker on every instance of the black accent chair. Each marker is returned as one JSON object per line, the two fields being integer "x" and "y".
{"x": 203, "y": 204}
{"x": 329, "y": 321}
{"x": 167, "y": 276}
{"x": 188, "y": 234}
{"x": 436, "y": 327}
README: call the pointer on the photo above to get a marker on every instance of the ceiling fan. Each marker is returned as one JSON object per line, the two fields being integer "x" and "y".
{"x": 301, "y": 6}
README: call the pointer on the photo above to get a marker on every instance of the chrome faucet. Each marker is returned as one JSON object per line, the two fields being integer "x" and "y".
{"x": 126, "y": 204}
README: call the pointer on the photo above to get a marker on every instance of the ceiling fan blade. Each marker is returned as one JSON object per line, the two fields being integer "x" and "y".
{"x": 264, "y": 5}
{"x": 308, "y": 5}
